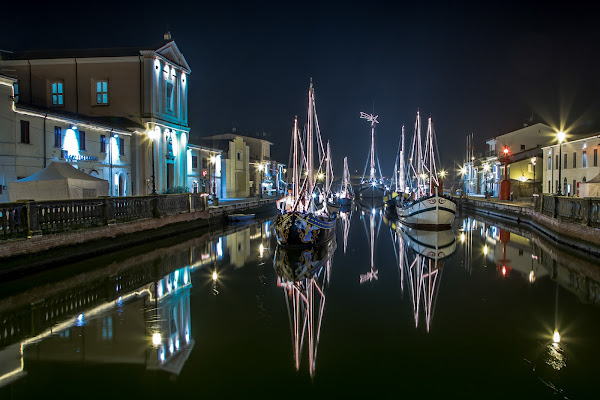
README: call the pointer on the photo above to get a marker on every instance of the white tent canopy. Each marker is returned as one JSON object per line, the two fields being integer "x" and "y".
{"x": 58, "y": 181}
{"x": 590, "y": 188}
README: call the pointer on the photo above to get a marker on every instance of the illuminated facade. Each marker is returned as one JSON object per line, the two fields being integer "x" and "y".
{"x": 205, "y": 170}
{"x": 487, "y": 171}
{"x": 144, "y": 89}
{"x": 579, "y": 163}
{"x": 249, "y": 169}
{"x": 100, "y": 147}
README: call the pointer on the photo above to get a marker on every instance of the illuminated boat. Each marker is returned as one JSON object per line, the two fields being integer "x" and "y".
{"x": 371, "y": 186}
{"x": 426, "y": 208}
{"x": 302, "y": 224}
{"x": 295, "y": 264}
{"x": 435, "y": 245}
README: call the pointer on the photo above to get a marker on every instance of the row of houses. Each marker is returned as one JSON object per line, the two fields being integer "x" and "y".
{"x": 120, "y": 115}
{"x": 533, "y": 162}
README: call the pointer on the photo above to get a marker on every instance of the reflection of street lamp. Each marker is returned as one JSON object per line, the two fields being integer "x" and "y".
{"x": 561, "y": 138}
{"x": 533, "y": 160}
{"x": 463, "y": 172}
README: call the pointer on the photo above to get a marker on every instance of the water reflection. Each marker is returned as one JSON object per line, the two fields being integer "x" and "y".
{"x": 304, "y": 276}
{"x": 421, "y": 256}
{"x": 136, "y": 311}
{"x": 374, "y": 217}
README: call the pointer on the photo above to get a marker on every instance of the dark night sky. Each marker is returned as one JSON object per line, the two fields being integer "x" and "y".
{"x": 473, "y": 67}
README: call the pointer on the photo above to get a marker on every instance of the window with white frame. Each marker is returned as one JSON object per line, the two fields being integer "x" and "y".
{"x": 584, "y": 160}
{"x": 102, "y": 92}
{"x": 57, "y": 94}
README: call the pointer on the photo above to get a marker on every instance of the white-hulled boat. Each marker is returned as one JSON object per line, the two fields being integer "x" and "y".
{"x": 427, "y": 207}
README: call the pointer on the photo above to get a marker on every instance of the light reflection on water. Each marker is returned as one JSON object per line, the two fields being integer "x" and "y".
{"x": 392, "y": 293}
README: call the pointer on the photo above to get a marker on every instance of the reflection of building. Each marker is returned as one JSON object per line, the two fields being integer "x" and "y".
{"x": 485, "y": 244}
{"x": 138, "y": 93}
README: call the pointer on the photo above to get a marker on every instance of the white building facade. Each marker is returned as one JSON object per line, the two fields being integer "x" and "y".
{"x": 576, "y": 162}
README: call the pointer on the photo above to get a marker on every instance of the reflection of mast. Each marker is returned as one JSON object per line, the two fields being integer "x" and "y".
{"x": 305, "y": 301}
{"x": 373, "y": 273}
{"x": 421, "y": 254}
{"x": 346, "y": 217}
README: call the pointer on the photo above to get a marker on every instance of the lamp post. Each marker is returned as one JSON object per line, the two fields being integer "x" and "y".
{"x": 533, "y": 160}
{"x": 151, "y": 136}
{"x": 486, "y": 168}
{"x": 213, "y": 162}
{"x": 561, "y": 137}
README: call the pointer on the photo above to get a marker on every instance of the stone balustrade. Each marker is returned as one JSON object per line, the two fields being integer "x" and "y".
{"x": 31, "y": 218}
{"x": 584, "y": 211}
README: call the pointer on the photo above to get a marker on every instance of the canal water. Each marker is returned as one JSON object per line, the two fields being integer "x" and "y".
{"x": 486, "y": 310}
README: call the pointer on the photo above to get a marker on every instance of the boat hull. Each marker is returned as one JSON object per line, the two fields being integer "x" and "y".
{"x": 370, "y": 191}
{"x": 435, "y": 245}
{"x": 296, "y": 229}
{"x": 293, "y": 264}
{"x": 345, "y": 201}
{"x": 432, "y": 212}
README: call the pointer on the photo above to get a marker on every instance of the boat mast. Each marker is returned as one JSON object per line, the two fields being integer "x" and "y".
{"x": 296, "y": 170}
{"x": 328, "y": 171}
{"x": 401, "y": 173}
{"x": 309, "y": 145}
{"x": 419, "y": 153}
{"x": 373, "y": 120}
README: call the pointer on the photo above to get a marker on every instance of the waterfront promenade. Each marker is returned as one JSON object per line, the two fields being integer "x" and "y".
{"x": 570, "y": 221}
{"x": 36, "y": 234}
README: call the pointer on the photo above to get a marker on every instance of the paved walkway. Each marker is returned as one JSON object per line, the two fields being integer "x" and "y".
{"x": 526, "y": 202}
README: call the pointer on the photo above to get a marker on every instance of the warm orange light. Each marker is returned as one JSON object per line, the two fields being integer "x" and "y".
{"x": 506, "y": 150}
{"x": 503, "y": 270}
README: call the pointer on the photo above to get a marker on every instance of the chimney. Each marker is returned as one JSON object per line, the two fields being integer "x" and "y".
{"x": 167, "y": 36}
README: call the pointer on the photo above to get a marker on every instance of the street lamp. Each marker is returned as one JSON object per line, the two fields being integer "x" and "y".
{"x": 561, "y": 138}
{"x": 152, "y": 135}
{"x": 533, "y": 160}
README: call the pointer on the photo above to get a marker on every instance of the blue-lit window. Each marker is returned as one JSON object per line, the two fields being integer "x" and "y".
{"x": 16, "y": 91}
{"x": 57, "y": 94}
{"x": 102, "y": 92}
{"x": 102, "y": 143}
{"x": 121, "y": 146}
{"x": 57, "y": 136}
{"x": 82, "y": 140}
{"x": 194, "y": 161}
{"x": 169, "y": 96}
{"x": 584, "y": 160}
{"x": 107, "y": 328}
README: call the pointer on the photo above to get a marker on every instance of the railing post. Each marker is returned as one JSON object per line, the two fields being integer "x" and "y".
{"x": 109, "y": 210}
{"x": 189, "y": 202}
{"x": 556, "y": 204}
{"x": 31, "y": 218}
{"x": 587, "y": 211}
{"x": 155, "y": 210}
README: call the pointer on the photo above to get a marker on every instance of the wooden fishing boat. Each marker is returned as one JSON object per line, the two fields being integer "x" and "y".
{"x": 302, "y": 224}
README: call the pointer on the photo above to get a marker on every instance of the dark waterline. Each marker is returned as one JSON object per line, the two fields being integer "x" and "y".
{"x": 478, "y": 323}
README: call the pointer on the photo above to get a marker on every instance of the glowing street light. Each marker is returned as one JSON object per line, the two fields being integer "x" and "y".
{"x": 156, "y": 339}
{"x": 533, "y": 160}
{"x": 556, "y": 337}
{"x": 561, "y": 138}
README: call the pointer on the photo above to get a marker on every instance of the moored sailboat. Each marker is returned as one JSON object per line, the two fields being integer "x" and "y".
{"x": 427, "y": 207}
{"x": 301, "y": 223}
{"x": 371, "y": 186}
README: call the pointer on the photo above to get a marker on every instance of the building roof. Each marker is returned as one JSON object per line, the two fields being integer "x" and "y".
{"x": 574, "y": 137}
{"x": 78, "y": 53}
{"x": 231, "y": 136}
{"x": 107, "y": 123}
{"x": 200, "y": 147}
{"x": 166, "y": 48}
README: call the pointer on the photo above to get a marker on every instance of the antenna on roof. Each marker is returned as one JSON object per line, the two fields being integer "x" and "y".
{"x": 167, "y": 36}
